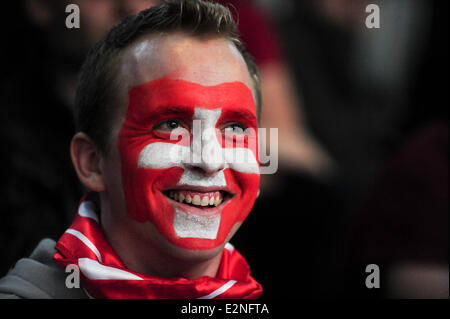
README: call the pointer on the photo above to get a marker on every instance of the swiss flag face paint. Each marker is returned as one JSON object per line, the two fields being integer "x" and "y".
{"x": 163, "y": 177}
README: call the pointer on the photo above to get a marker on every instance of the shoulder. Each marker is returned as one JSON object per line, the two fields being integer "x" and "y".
{"x": 38, "y": 277}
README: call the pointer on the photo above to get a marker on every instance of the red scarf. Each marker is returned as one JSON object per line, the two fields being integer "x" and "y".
{"x": 103, "y": 275}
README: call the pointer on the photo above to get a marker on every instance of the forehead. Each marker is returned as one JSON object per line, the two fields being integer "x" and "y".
{"x": 205, "y": 61}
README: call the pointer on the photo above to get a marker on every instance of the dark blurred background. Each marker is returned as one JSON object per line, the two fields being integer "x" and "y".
{"x": 363, "y": 139}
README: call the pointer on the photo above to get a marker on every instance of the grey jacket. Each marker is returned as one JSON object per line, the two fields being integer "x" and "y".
{"x": 38, "y": 277}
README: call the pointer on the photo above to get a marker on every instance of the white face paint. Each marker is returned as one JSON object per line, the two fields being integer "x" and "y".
{"x": 195, "y": 226}
{"x": 193, "y": 178}
{"x": 204, "y": 152}
{"x": 203, "y": 161}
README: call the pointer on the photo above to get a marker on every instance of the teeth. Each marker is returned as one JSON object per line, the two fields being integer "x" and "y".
{"x": 182, "y": 196}
{"x": 196, "y": 200}
{"x": 205, "y": 201}
{"x": 217, "y": 201}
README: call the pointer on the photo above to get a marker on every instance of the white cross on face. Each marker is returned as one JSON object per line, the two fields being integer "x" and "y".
{"x": 204, "y": 152}
{"x": 203, "y": 161}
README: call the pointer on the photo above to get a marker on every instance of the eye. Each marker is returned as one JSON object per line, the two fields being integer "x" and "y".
{"x": 168, "y": 125}
{"x": 172, "y": 125}
{"x": 235, "y": 128}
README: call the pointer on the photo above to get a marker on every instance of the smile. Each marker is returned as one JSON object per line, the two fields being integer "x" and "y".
{"x": 203, "y": 199}
{"x": 196, "y": 198}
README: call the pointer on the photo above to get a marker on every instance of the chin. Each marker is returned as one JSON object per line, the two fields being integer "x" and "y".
{"x": 195, "y": 255}
{"x": 198, "y": 249}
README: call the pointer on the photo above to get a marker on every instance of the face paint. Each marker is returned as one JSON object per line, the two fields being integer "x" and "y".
{"x": 158, "y": 173}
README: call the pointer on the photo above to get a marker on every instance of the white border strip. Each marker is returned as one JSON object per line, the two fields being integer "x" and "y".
{"x": 96, "y": 271}
{"x": 87, "y": 210}
{"x": 219, "y": 291}
{"x": 229, "y": 247}
{"x": 85, "y": 241}
{"x": 87, "y": 294}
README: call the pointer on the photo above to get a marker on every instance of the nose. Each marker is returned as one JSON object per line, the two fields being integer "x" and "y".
{"x": 207, "y": 154}
{"x": 204, "y": 170}
{"x": 207, "y": 168}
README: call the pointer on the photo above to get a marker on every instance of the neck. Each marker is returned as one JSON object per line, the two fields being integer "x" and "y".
{"x": 142, "y": 249}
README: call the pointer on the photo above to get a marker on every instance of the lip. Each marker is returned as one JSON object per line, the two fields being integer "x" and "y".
{"x": 201, "y": 189}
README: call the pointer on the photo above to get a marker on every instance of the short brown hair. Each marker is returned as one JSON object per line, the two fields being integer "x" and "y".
{"x": 94, "y": 101}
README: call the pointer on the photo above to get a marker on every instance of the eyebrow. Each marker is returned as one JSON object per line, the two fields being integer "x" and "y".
{"x": 240, "y": 114}
{"x": 173, "y": 110}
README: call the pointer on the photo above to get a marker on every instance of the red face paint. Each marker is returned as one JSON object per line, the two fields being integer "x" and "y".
{"x": 146, "y": 187}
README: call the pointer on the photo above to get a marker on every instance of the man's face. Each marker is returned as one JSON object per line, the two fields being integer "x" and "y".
{"x": 179, "y": 172}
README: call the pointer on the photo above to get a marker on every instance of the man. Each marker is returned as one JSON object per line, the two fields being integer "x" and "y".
{"x": 156, "y": 101}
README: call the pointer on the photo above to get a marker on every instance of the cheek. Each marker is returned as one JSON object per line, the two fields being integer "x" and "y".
{"x": 142, "y": 186}
{"x": 248, "y": 186}
{"x": 143, "y": 193}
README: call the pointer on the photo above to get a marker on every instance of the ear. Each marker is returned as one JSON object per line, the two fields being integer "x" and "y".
{"x": 88, "y": 162}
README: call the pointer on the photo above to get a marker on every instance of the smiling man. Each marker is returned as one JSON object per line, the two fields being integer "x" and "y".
{"x": 166, "y": 102}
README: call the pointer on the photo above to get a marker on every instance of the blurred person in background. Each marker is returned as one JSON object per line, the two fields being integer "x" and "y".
{"x": 376, "y": 100}
{"x": 403, "y": 226}
{"x": 366, "y": 93}
{"x": 39, "y": 190}
{"x": 358, "y": 84}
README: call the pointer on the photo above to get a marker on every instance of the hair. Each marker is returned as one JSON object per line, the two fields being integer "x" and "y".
{"x": 95, "y": 107}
